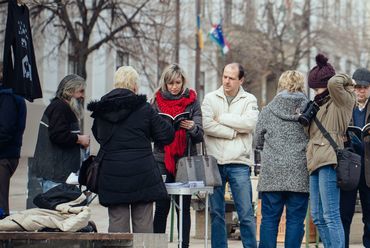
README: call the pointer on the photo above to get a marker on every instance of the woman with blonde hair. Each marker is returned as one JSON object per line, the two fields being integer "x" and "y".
{"x": 283, "y": 180}
{"x": 129, "y": 179}
{"x": 174, "y": 98}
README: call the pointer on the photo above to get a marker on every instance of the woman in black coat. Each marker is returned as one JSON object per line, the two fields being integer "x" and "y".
{"x": 124, "y": 125}
{"x": 174, "y": 98}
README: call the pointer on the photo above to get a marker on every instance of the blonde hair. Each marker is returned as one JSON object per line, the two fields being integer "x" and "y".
{"x": 126, "y": 77}
{"x": 292, "y": 81}
{"x": 170, "y": 74}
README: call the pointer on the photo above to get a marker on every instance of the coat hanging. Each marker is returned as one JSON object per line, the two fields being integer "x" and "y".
{"x": 21, "y": 74}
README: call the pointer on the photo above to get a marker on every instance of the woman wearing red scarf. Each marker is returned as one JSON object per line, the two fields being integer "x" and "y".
{"x": 174, "y": 98}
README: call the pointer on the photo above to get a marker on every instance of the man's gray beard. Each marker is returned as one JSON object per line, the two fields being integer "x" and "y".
{"x": 77, "y": 107}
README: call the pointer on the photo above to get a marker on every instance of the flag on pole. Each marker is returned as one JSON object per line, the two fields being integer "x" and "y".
{"x": 200, "y": 42}
{"x": 217, "y": 36}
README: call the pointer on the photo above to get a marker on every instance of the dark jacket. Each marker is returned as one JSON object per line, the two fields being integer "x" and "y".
{"x": 13, "y": 113}
{"x": 128, "y": 172}
{"x": 57, "y": 154}
{"x": 195, "y": 134}
{"x": 366, "y": 144}
{"x": 20, "y": 74}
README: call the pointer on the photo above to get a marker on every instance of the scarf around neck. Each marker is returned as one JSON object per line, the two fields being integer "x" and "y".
{"x": 322, "y": 98}
{"x": 173, "y": 107}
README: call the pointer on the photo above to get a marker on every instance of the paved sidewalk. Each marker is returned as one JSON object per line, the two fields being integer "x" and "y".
{"x": 18, "y": 196}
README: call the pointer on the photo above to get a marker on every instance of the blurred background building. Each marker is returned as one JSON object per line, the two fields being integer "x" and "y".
{"x": 94, "y": 37}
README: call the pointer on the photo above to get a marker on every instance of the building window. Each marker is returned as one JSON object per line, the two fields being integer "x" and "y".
{"x": 325, "y": 9}
{"x": 349, "y": 13}
{"x": 348, "y": 66}
{"x": 167, "y": 2}
{"x": 161, "y": 66}
{"x": 72, "y": 59}
{"x": 337, "y": 63}
{"x": 337, "y": 12}
{"x": 122, "y": 58}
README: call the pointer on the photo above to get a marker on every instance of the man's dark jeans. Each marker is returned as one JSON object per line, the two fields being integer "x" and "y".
{"x": 347, "y": 209}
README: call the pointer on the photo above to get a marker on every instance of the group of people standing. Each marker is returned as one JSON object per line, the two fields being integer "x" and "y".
{"x": 298, "y": 163}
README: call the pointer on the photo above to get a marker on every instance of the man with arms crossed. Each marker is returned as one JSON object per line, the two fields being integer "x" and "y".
{"x": 229, "y": 119}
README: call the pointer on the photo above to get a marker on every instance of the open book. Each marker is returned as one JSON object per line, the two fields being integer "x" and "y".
{"x": 177, "y": 119}
{"x": 357, "y": 135}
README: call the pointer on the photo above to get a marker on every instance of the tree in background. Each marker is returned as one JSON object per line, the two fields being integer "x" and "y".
{"x": 88, "y": 25}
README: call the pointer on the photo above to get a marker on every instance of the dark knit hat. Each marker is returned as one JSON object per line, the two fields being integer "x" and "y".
{"x": 362, "y": 77}
{"x": 319, "y": 76}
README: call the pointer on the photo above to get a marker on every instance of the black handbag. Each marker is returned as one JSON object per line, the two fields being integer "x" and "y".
{"x": 349, "y": 163}
{"x": 198, "y": 168}
{"x": 89, "y": 171}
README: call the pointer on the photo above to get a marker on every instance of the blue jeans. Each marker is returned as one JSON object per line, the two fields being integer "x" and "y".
{"x": 47, "y": 184}
{"x": 325, "y": 213}
{"x": 238, "y": 176}
{"x": 272, "y": 208}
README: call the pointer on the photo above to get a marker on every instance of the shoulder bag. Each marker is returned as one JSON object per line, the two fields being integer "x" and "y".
{"x": 89, "y": 171}
{"x": 349, "y": 163}
{"x": 198, "y": 168}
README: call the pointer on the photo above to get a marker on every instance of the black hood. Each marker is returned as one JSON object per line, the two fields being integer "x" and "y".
{"x": 116, "y": 105}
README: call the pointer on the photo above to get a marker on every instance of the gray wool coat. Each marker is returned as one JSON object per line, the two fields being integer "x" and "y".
{"x": 283, "y": 158}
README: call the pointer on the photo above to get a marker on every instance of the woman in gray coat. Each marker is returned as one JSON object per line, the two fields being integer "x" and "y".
{"x": 283, "y": 180}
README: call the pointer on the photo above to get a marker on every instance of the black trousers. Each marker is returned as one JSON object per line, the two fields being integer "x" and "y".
{"x": 7, "y": 169}
{"x": 347, "y": 209}
{"x": 162, "y": 209}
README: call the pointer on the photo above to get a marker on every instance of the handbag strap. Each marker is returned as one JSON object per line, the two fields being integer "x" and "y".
{"x": 326, "y": 134}
{"x": 204, "y": 149}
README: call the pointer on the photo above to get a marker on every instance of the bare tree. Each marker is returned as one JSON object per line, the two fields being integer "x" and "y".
{"x": 157, "y": 48}
{"x": 113, "y": 21}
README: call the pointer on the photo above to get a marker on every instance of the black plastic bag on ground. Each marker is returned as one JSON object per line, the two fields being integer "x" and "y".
{"x": 57, "y": 195}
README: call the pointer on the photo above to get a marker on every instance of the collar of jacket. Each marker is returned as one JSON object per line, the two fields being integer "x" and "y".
{"x": 241, "y": 93}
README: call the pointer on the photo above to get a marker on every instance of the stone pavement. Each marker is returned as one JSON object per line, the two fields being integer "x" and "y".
{"x": 18, "y": 196}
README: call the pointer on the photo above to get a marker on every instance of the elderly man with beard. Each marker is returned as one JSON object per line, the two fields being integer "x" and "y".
{"x": 59, "y": 140}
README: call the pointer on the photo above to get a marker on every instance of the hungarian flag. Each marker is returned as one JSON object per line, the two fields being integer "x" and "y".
{"x": 217, "y": 36}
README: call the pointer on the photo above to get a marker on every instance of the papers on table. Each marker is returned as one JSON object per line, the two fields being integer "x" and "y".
{"x": 72, "y": 178}
{"x": 190, "y": 184}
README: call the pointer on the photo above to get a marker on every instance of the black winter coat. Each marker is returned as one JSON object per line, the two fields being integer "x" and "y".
{"x": 57, "y": 153}
{"x": 128, "y": 172}
{"x": 13, "y": 113}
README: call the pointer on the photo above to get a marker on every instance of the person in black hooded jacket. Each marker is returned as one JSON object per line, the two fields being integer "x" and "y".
{"x": 13, "y": 114}
{"x": 125, "y": 124}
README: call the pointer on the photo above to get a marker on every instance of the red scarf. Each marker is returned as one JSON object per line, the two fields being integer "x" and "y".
{"x": 178, "y": 145}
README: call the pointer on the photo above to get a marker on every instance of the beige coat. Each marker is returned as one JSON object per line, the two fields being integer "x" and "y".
{"x": 228, "y": 128}
{"x": 335, "y": 115}
{"x": 65, "y": 217}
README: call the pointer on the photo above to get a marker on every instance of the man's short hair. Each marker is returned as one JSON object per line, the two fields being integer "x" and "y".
{"x": 69, "y": 85}
{"x": 240, "y": 67}
{"x": 126, "y": 77}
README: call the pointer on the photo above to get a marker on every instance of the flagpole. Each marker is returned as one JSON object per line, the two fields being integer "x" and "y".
{"x": 177, "y": 35}
{"x": 197, "y": 49}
